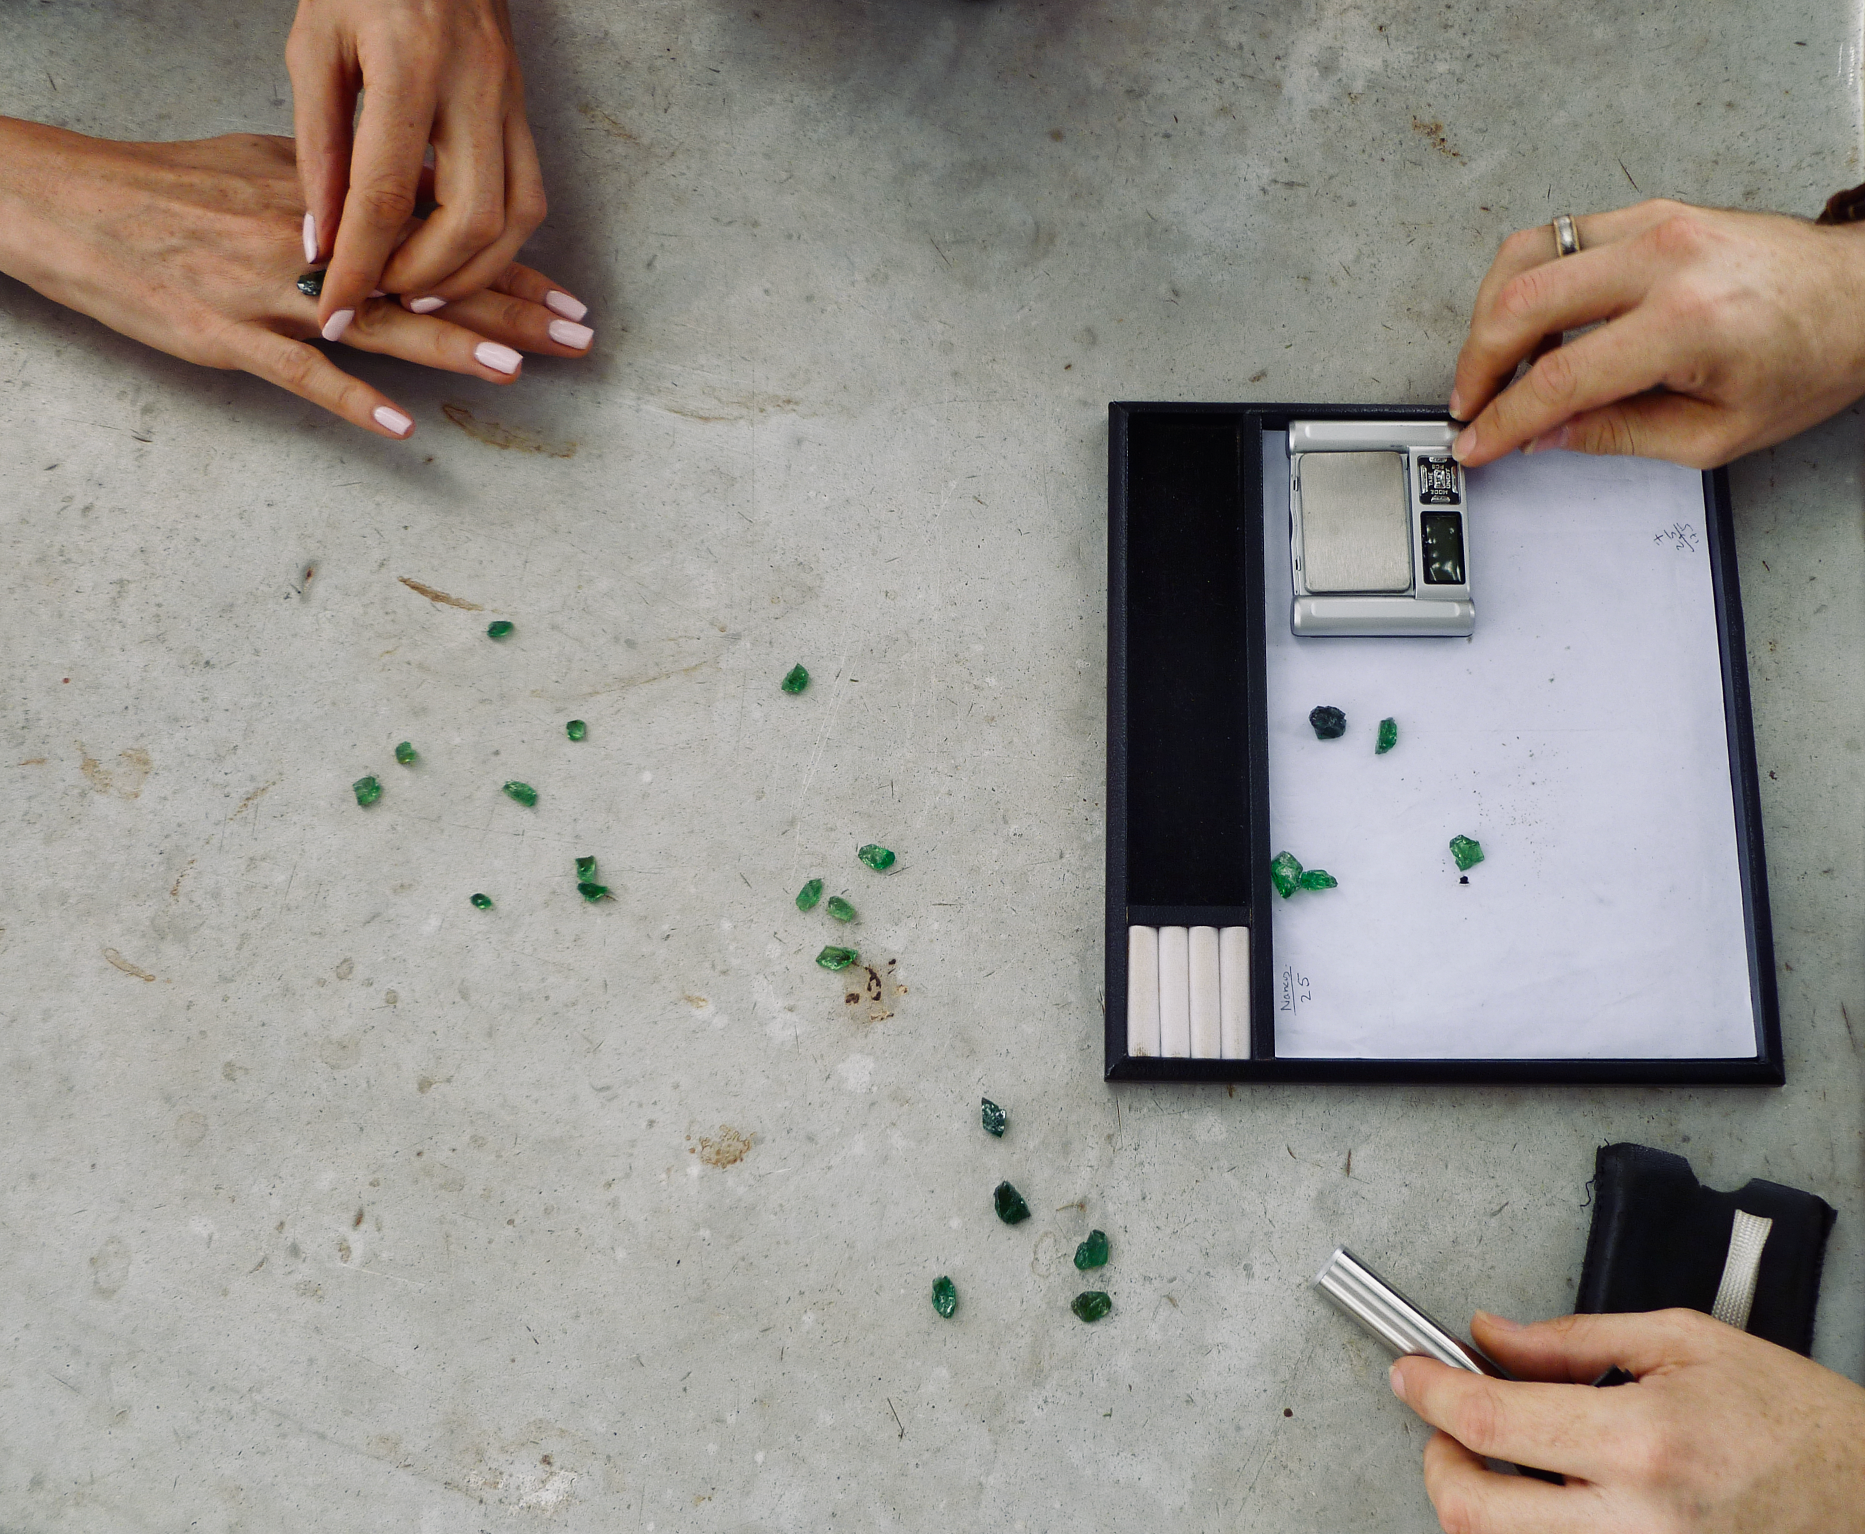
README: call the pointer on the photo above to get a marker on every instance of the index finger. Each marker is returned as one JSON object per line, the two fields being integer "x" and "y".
{"x": 1580, "y": 1348}
{"x": 1557, "y": 1427}
{"x": 385, "y": 174}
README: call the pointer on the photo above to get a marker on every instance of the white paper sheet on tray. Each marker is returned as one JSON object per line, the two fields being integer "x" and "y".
{"x": 1579, "y": 736}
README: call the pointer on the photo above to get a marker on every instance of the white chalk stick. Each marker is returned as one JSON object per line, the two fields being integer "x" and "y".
{"x": 1202, "y": 989}
{"x": 1175, "y": 1003}
{"x": 1143, "y": 991}
{"x": 1233, "y": 968}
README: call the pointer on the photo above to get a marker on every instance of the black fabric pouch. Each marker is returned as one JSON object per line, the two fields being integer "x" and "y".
{"x": 1660, "y": 1238}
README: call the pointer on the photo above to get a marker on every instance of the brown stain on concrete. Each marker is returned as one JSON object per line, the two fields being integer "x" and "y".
{"x": 422, "y": 589}
{"x": 125, "y": 779}
{"x": 507, "y": 438}
{"x": 727, "y": 1148}
{"x": 117, "y": 960}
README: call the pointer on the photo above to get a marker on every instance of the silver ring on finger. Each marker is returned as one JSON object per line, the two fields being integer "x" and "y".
{"x": 1566, "y": 236}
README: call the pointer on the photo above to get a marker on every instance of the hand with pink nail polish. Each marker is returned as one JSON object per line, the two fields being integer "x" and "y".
{"x": 195, "y": 248}
{"x": 1715, "y": 333}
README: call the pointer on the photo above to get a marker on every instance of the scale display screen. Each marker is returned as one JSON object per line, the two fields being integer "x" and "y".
{"x": 1443, "y": 536}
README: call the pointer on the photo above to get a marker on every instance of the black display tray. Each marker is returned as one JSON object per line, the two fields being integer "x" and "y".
{"x": 1188, "y": 832}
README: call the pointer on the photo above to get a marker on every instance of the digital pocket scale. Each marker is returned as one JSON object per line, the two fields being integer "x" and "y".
{"x": 1376, "y": 529}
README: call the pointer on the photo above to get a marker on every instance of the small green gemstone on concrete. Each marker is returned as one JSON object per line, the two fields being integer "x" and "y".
{"x": 1388, "y": 736}
{"x": 995, "y": 1119}
{"x": 585, "y": 870}
{"x": 592, "y": 892}
{"x": 368, "y": 790}
{"x": 1328, "y": 721}
{"x": 1468, "y": 852}
{"x": 484, "y": 902}
{"x": 405, "y": 753}
{"x": 840, "y": 909}
{"x": 1285, "y": 872}
{"x": 837, "y": 958}
{"x": 1092, "y": 1305}
{"x": 311, "y": 284}
{"x": 809, "y": 895}
{"x": 498, "y": 629}
{"x": 877, "y": 858}
{"x": 524, "y": 793}
{"x": 1319, "y": 879}
{"x": 1092, "y": 1253}
{"x": 576, "y": 729}
{"x": 945, "y": 1297}
{"x": 1010, "y": 1205}
{"x": 795, "y": 680}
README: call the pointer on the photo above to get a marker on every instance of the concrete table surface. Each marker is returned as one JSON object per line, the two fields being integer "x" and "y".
{"x": 331, "y": 1201}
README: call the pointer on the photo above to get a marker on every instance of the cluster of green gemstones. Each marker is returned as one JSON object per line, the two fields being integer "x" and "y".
{"x": 1012, "y": 1208}
{"x": 809, "y": 897}
{"x": 1288, "y": 875}
{"x": 1330, "y": 723}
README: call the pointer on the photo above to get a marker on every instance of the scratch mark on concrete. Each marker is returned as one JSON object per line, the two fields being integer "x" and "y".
{"x": 124, "y": 964}
{"x": 439, "y": 596}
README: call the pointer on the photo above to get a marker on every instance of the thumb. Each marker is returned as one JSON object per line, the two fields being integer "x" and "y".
{"x": 1674, "y": 427}
{"x": 1579, "y": 1349}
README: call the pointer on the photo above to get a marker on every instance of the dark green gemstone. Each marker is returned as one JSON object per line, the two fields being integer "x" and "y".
{"x": 368, "y": 790}
{"x": 1285, "y": 872}
{"x": 945, "y": 1297}
{"x": 840, "y": 909}
{"x": 524, "y": 793}
{"x": 995, "y": 1119}
{"x": 576, "y": 729}
{"x": 484, "y": 902}
{"x": 1329, "y": 722}
{"x": 795, "y": 680}
{"x": 1388, "y": 736}
{"x": 1092, "y": 1253}
{"x": 1092, "y": 1305}
{"x": 585, "y": 870}
{"x": 498, "y": 629}
{"x": 592, "y": 892}
{"x": 405, "y": 754}
{"x": 837, "y": 958}
{"x": 1010, "y": 1205}
{"x": 1467, "y": 850}
{"x": 311, "y": 284}
{"x": 1319, "y": 879}
{"x": 809, "y": 895}
{"x": 877, "y": 858}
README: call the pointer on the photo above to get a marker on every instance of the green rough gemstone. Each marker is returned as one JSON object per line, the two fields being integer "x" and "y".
{"x": 1010, "y": 1205}
{"x": 1388, "y": 736}
{"x": 877, "y": 858}
{"x": 1092, "y": 1253}
{"x": 311, "y": 284}
{"x": 484, "y": 902}
{"x": 995, "y": 1119}
{"x": 585, "y": 870}
{"x": 809, "y": 895}
{"x": 1467, "y": 850}
{"x": 524, "y": 793}
{"x": 592, "y": 892}
{"x": 405, "y": 753}
{"x": 1328, "y": 721}
{"x": 576, "y": 729}
{"x": 1285, "y": 872}
{"x": 840, "y": 909}
{"x": 945, "y": 1297}
{"x": 368, "y": 790}
{"x": 837, "y": 958}
{"x": 498, "y": 629}
{"x": 1319, "y": 879}
{"x": 1092, "y": 1305}
{"x": 795, "y": 680}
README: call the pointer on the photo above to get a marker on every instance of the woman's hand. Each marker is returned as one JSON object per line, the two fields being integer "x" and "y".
{"x": 1724, "y": 332}
{"x": 194, "y": 249}
{"x": 1722, "y": 1433}
{"x": 439, "y": 72}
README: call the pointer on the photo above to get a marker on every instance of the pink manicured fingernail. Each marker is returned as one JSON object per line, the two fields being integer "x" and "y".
{"x": 501, "y": 359}
{"x": 393, "y": 420}
{"x": 1548, "y": 440}
{"x": 566, "y": 334}
{"x": 377, "y": 293}
{"x": 310, "y": 238}
{"x": 1466, "y": 440}
{"x": 338, "y": 323}
{"x": 428, "y": 305}
{"x": 564, "y": 304}
{"x": 427, "y": 157}
{"x": 1397, "y": 1381}
{"x": 1457, "y": 405}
